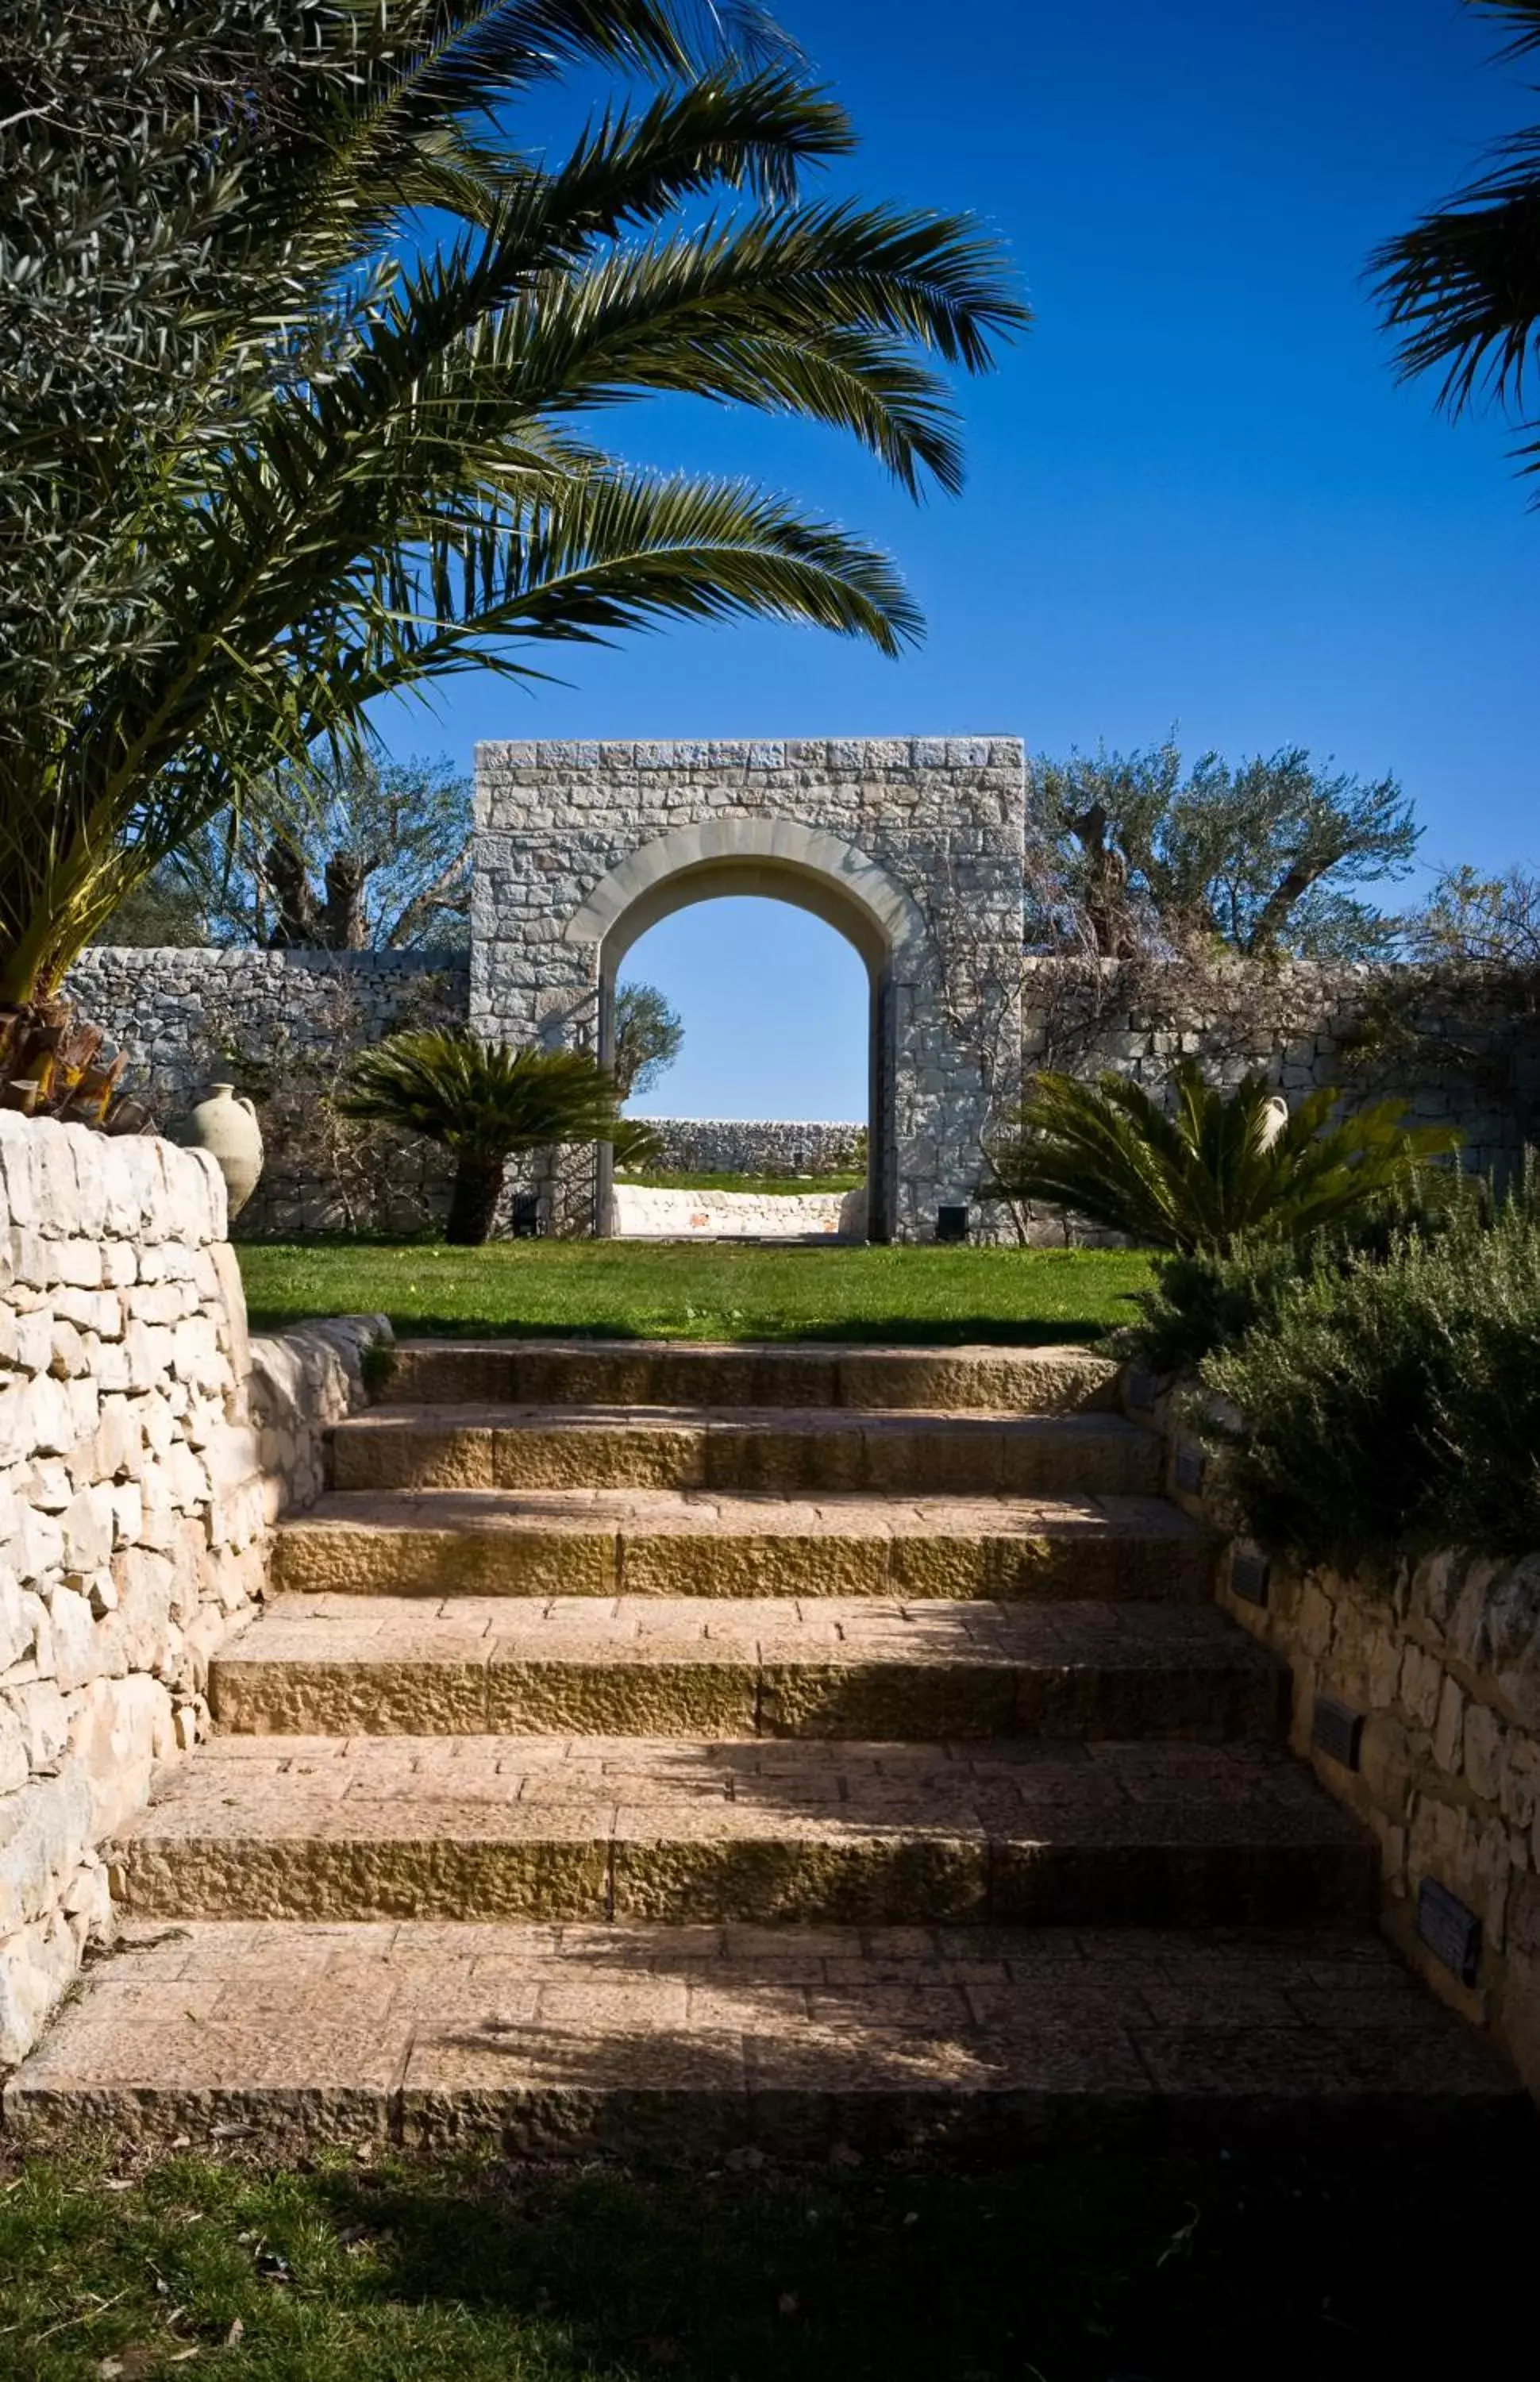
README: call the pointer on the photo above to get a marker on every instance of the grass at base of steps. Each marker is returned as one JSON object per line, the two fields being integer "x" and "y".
{"x": 684, "y": 1291}
{"x": 1072, "y": 2270}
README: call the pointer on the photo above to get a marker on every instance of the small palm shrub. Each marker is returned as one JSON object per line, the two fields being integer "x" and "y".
{"x": 1215, "y": 1167}
{"x": 483, "y": 1101}
{"x": 1394, "y": 1406}
{"x": 635, "y": 1143}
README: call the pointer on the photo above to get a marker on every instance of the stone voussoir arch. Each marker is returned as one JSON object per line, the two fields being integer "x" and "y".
{"x": 781, "y": 858}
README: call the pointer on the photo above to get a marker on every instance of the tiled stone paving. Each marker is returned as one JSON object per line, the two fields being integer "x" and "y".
{"x": 821, "y": 1808}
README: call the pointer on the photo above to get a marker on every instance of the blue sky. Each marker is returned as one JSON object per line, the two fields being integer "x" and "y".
{"x": 1197, "y": 496}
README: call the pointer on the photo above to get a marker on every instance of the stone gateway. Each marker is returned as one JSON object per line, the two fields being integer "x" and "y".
{"x": 912, "y": 848}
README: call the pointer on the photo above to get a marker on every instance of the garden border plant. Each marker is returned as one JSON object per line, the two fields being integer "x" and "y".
{"x": 1389, "y": 1405}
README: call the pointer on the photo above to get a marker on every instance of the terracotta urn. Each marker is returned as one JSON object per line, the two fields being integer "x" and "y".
{"x": 225, "y": 1125}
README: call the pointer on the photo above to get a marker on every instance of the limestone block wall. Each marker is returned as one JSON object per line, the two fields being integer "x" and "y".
{"x": 736, "y": 1215}
{"x": 145, "y": 1446}
{"x": 1441, "y": 1665}
{"x": 741, "y": 1146}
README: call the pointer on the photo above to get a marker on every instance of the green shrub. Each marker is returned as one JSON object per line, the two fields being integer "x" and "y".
{"x": 1209, "y": 1299}
{"x": 1393, "y": 1404}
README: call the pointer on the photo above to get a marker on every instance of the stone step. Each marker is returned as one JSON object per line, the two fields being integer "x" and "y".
{"x": 546, "y": 2040}
{"x": 804, "y": 1373}
{"x": 799, "y": 1449}
{"x": 700, "y": 1667}
{"x": 663, "y": 1543}
{"x": 534, "y": 1827}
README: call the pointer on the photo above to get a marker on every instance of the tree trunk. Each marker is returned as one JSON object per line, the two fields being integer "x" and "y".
{"x": 344, "y": 926}
{"x": 473, "y": 1201}
{"x": 295, "y": 927}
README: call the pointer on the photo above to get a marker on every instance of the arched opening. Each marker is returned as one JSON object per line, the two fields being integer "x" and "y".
{"x": 769, "y": 1100}
{"x": 782, "y": 861}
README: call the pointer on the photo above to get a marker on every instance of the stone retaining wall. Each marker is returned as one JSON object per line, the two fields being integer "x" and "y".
{"x": 145, "y": 1447}
{"x": 736, "y": 1215}
{"x": 1434, "y": 1682}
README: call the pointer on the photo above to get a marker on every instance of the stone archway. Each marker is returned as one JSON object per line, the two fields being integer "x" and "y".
{"x": 910, "y": 849}
{"x": 781, "y": 860}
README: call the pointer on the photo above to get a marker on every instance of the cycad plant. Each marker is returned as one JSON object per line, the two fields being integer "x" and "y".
{"x": 483, "y": 1101}
{"x": 1213, "y": 1167}
{"x": 302, "y": 356}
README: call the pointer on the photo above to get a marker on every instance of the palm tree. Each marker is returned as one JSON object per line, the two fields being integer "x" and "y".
{"x": 1213, "y": 1169}
{"x": 1462, "y": 286}
{"x": 483, "y": 1102}
{"x": 372, "y": 463}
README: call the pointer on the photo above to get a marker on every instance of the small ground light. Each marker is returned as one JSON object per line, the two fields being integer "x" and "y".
{"x": 1451, "y": 1932}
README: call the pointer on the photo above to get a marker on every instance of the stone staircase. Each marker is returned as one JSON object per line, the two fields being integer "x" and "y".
{"x": 658, "y": 1745}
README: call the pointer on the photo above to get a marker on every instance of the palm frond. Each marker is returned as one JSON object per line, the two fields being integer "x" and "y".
{"x": 622, "y": 551}
{"x": 1462, "y": 286}
{"x": 1524, "y": 17}
{"x": 481, "y": 1099}
{"x": 1460, "y": 289}
{"x": 365, "y": 468}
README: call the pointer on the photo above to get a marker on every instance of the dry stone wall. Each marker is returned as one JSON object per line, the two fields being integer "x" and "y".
{"x": 145, "y": 1447}
{"x": 1429, "y": 1731}
{"x": 958, "y": 1016}
{"x": 738, "y": 1145}
{"x": 176, "y": 1013}
{"x": 282, "y": 1025}
{"x": 1364, "y": 1031}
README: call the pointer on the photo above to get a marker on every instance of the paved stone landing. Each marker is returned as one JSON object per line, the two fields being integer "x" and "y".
{"x": 800, "y": 1747}
{"x": 801, "y": 2041}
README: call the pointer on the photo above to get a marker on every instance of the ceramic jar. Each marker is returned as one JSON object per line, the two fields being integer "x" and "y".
{"x": 225, "y": 1125}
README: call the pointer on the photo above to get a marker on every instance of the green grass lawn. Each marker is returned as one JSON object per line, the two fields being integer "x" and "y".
{"x": 764, "y": 1187}
{"x": 677, "y": 1291}
{"x": 1067, "y": 2270}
